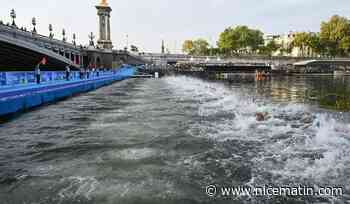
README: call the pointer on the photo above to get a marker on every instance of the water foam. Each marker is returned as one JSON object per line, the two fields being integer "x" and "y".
{"x": 134, "y": 154}
{"x": 78, "y": 187}
{"x": 299, "y": 144}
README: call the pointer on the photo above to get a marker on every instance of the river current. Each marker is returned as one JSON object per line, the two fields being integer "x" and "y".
{"x": 160, "y": 141}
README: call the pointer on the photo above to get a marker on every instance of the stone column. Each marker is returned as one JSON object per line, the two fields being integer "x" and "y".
{"x": 101, "y": 28}
{"x": 108, "y": 28}
{"x": 103, "y": 11}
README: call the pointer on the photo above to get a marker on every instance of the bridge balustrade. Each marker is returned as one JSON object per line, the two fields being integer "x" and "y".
{"x": 40, "y": 41}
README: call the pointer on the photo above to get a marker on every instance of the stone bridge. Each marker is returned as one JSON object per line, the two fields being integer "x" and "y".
{"x": 22, "y": 50}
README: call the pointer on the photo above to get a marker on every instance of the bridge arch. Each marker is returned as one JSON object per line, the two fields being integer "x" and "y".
{"x": 30, "y": 54}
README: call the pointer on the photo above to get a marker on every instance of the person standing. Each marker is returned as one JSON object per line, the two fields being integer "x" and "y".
{"x": 88, "y": 73}
{"x": 37, "y": 74}
{"x": 37, "y": 70}
{"x": 67, "y": 73}
{"x": 81, "y": 73}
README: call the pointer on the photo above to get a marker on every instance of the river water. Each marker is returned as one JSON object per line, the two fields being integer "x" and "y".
{"x": 164, "y": 140}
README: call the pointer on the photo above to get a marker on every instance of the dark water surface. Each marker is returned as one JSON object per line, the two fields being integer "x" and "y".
{"x": 163, "y": 141}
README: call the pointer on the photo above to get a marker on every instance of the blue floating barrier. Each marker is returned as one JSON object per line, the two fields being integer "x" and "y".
{"x": 18, "y": 90}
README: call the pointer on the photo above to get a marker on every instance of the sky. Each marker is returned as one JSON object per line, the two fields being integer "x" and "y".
{"x": 147, "y": 22}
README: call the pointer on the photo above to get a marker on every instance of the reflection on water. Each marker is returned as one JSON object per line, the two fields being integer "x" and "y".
{"x": 331, "y": 92}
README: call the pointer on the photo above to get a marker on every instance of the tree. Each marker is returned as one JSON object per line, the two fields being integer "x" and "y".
{"x": 213, "y": 51}
{"x": 228, "y": 41}
{"x": 201, "y": 47}
{"x": 302, "y": 41}
{"x": 240, "y": 38}
{"x": 334, "y": 35}
{"x": 315, "y": 43}
{"x": 269, "y": 48}
{"x": 308, "y": 43}
{"x": 188, "y": 47}
{"x": 196, "y": 47}
{"x": 345, "y": 44}
{"x": 256, "y": 39}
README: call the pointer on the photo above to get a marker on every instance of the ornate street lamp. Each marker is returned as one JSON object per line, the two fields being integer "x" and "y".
{"x": 91, "y": 37}
{"x": 34, "y": 24}
{"x": 64, "y": 35}
{"x": 13, "y": 16}
{"x": 50, "y": 29}
{"x": 74, "y": 37}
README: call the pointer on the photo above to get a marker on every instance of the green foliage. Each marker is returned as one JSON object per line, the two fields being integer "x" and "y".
{"x": 335, "y": 36}
{"x": 196, "y": 47}
{"x": 201, "y": 47}
{"x": 345, "y": 44}
{"x": 214, "y": 51}
{"x": 228, "y": 40}
{"x": 315, "y": 43}
{"x": 269, "y": 48}
{"x": 333, "y": 40}
{"x": 301, "y": 40}
{"x": 308, "y": 42}
{"x": 240, "y": 38}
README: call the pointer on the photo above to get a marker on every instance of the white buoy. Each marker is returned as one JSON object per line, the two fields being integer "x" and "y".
{"x": 156, "y": 75}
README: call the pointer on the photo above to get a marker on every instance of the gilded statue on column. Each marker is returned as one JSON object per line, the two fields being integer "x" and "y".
{"x": 104, "y": 3}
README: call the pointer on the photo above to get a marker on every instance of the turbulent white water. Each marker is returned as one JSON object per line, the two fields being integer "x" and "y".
{"x": 298, "y": 145}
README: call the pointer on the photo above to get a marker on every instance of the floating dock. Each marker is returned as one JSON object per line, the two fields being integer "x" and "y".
{"x": 19, "y": 98}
